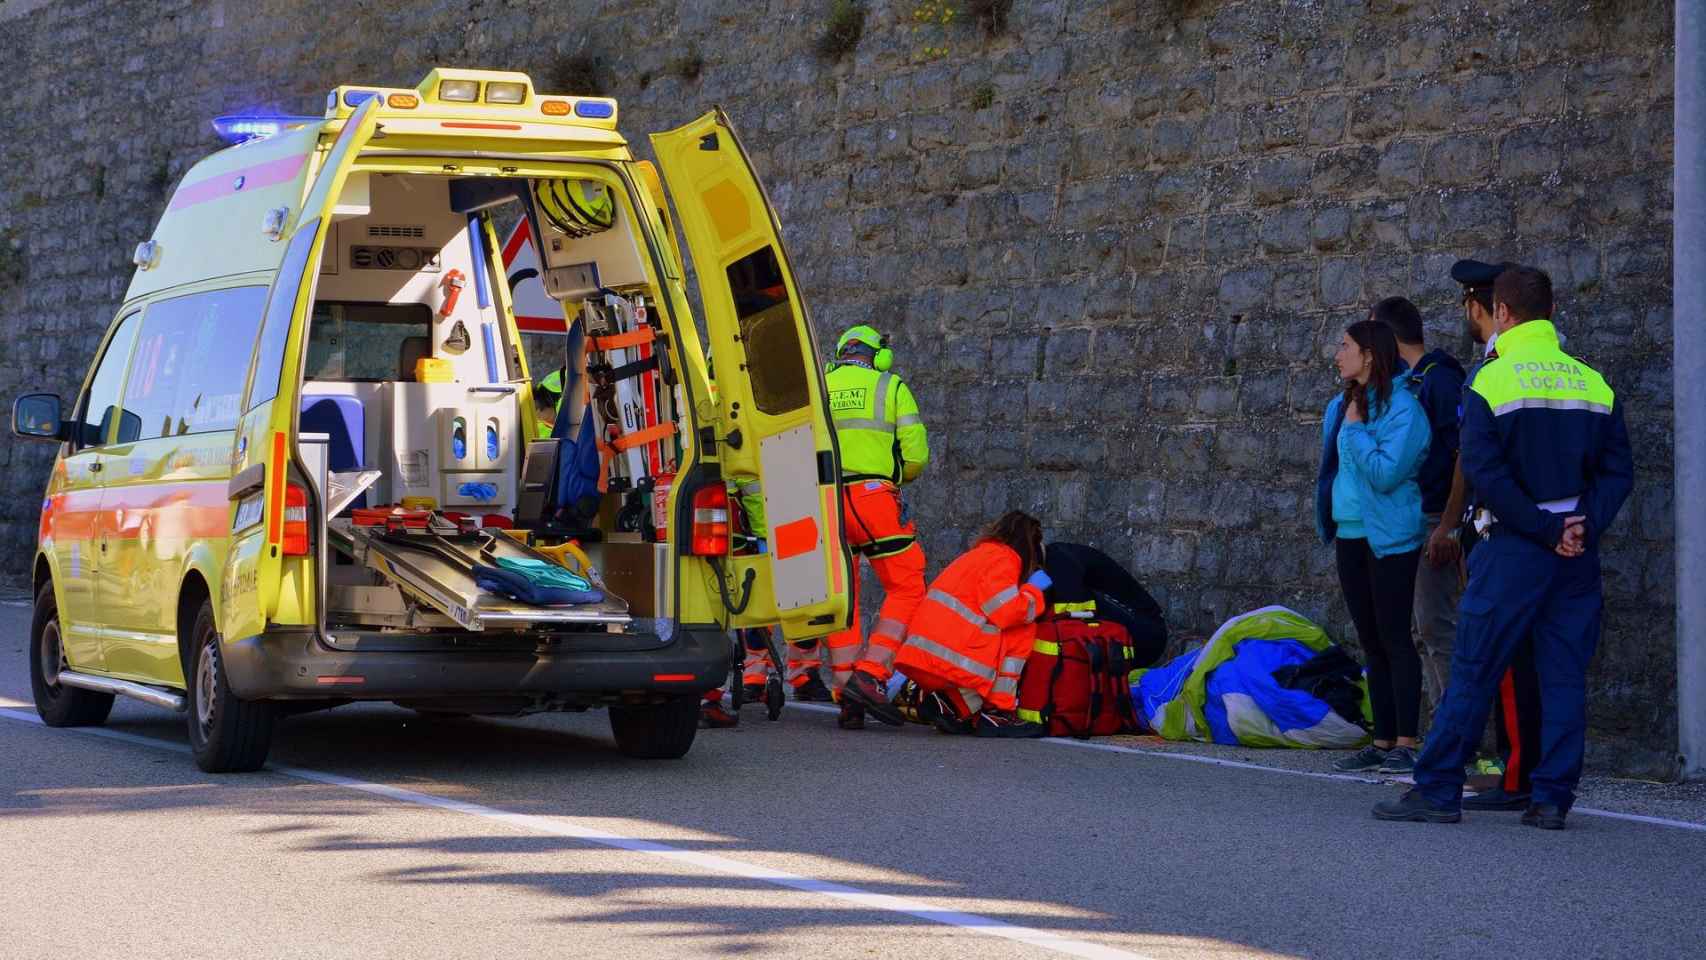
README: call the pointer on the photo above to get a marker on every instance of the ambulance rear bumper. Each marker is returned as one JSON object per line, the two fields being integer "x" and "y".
{"x": 586, "y": 668}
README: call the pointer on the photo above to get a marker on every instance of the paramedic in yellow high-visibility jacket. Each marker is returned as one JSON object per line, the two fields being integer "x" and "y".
{"x": 883, "y": 446}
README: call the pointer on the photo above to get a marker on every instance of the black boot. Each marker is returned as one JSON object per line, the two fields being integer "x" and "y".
{"x": 1546, "y": 816}
{"x": 867, "y": 691}
{"x": 852, "y": 717}
{"x": 812, "y": 690}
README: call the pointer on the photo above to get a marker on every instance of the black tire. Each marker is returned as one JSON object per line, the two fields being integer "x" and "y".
{"x": 775, "y": 698}
{"x": 227, "y": 733}
{"x": 59, "y": 705}
{"x": 662, "y": 731}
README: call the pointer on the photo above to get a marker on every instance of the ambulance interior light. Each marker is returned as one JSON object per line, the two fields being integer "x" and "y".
{"x": 459, "y": 91}
{"x": 242, "y": 128}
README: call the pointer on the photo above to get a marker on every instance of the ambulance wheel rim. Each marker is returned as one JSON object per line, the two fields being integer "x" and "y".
{"x": 52, "y": 654}
{"x": 205, "y": 684}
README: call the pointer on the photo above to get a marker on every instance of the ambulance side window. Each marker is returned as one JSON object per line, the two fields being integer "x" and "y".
{"x": 187, "y": 374}
{"x": 770, "y": 333}
{"x": 281, "y": 307}
{"x": 100, "y": 404}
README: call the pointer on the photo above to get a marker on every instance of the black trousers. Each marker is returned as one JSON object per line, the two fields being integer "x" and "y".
{"x": 1516, "y": 708}
{"x": 1381, "y": 594}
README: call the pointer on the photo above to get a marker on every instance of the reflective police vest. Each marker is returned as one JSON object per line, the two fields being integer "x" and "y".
{"x": 1540, "y": 429}
{"x": 877, "y": 424}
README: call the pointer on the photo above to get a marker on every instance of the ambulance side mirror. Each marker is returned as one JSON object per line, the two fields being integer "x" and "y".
{"x": 38, "y": 416}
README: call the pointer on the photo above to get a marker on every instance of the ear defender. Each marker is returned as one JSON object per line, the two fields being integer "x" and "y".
{"x": 885, "y": 356}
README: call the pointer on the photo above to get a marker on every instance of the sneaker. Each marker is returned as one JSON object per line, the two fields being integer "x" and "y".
{"x": 1546, "y": 816}
{"x": 1368, "y": 758}
{"x": 1497, "y": 798}
{"x": 715, "y": 717}
{"x": 852, "y": 717}
{"x": 997, "y": 723}
{"x": 864, "y": 690}
{"x": 1415, "y": 807}
{"x": 812, "y": 689}
{"x": 1399, "y": 762}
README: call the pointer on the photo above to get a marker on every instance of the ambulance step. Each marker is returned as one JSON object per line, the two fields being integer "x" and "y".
{"x": 438, "y": 571}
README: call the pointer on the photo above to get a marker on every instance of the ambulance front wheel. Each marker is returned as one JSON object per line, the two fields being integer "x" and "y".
{"x": 662, "y": 731}
{"x": 59, "y": 705}
{"x": 774, "y": 697}
{"x": 227, "y": 733}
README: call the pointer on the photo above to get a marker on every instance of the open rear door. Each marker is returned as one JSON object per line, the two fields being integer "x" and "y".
{"x": 776, "y": 425}
{"x": 257, "y": 580}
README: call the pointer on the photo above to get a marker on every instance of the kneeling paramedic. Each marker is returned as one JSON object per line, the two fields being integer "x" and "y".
{"x": 1547, "y": 452}
{"x": 968, "y": 641}
{"x": 883, "y": 445}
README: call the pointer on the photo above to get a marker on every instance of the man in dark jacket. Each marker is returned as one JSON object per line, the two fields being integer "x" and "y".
{"x": 1437, "y": 380}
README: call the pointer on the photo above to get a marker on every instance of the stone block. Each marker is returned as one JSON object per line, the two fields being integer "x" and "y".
{"x": 1345, "y": 172}
{"x": 1228, "y": 236}
{"x": 1329, "y": 228}
{"x": 1328, "y": 118}
{"x": 1377, "y": 114}
{"x": 1179, "y": 191}
{"x": 1279, "y": 180}
{"x": 1341, "y": 281}
{"x": 1286, "y": 230}
{"x": 1172, "y": 141}
{"x": 1067, "y": 352}
{"x": 1246, "y": 290}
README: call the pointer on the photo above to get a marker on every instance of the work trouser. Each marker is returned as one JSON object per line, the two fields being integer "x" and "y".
{"x": 878, "y": 530}
{"x": 1518, "y": 590}
{"x": 755, "y": 668}
{"x": 1438, "y": 590}
{"x": 1516, "y": 709}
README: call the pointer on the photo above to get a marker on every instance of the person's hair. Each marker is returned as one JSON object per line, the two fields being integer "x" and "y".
{"x": 1402, "y": 316}
{"x": 857, "y": 348}
{"x": 1527, "y": 291}
{"x": 1021, "y": 532}
{"x": 1382, "y": 346}
{"x": 1481, "y": 295}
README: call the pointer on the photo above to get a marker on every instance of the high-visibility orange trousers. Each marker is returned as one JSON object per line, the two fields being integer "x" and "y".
{"x": 872, "y": 516}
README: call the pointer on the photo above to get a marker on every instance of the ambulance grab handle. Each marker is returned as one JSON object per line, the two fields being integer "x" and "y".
{"x": 506, "y": 391}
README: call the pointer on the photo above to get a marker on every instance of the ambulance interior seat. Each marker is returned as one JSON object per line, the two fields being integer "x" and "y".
{"x": 344, "y": 420}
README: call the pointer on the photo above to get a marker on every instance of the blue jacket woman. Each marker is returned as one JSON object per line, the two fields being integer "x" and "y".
{"x": 1368, "y": 506}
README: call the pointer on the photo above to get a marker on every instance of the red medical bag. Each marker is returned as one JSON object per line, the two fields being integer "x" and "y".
{"x": 1075, "y": 679}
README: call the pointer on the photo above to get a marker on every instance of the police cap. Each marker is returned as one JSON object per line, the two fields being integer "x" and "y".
{"x": 1475, "y": 274}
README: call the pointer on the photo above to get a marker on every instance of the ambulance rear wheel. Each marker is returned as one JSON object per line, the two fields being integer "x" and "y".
{"x": 775, "y": 698}
{"x": 59, "y": 705}
{"x": 227, "y": 733}
{"x": 662, "y": 731}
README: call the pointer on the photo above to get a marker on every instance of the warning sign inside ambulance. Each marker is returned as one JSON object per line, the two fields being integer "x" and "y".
{"x": 535, "y": 311}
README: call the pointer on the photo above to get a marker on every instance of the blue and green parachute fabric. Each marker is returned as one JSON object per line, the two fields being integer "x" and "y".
{"x": 1225, "y": 692}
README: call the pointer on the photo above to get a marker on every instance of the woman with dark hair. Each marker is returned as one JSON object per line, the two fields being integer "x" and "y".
{"x": 1369, "y": 506}
{"x": 968, "y": 641}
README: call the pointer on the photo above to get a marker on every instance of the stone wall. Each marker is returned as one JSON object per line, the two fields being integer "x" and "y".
{"x": 1115, "y": 242}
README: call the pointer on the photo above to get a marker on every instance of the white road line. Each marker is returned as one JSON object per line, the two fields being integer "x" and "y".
{"x": 1311, "y": 774}
{"x": 568, "y": 827}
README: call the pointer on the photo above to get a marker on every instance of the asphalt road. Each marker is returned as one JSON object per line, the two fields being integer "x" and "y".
{"x": 374, "y": 833}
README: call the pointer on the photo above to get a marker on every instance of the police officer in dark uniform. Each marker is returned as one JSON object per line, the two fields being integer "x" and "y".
{"x": 1545, "y": 447}
{"x": 1516, "y": 704}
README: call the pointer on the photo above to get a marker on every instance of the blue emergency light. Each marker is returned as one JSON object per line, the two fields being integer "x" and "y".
{"x": 243, "y": 128}
{"x": 593, "y": 110}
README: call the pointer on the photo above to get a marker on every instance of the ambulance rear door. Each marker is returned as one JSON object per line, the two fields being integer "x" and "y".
{"x": 268, "y": 574}
{"x": 775, "y": 421}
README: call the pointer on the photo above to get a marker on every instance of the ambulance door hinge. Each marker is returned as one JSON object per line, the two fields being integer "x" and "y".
{"x": 825, "y": 467}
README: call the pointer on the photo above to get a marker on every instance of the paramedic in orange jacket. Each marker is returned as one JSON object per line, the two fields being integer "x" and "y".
{"x": 969, "y": 639}
{"x": 883, "y": 445}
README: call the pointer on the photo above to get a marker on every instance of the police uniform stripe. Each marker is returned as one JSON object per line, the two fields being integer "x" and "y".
{"x": 942, "y": 653}
{"x": 961, "y": 610}
{"x": 1550, "y": 403}
{"x": 1000, "y": 600}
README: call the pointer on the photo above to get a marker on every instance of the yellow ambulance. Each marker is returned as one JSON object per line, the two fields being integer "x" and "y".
{"x": 302, "y": 469}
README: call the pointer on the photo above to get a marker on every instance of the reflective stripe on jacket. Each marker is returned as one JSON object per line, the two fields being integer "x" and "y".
{"x": 877, "y": 423}
{"x": 976, "y": 626}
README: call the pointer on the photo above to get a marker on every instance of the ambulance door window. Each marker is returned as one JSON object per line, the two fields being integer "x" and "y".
{"x": 100, "y": 404}
{"x": 275, "y": 329}
{"x": 770, "y": 332}
{"x": 188, "y": 371}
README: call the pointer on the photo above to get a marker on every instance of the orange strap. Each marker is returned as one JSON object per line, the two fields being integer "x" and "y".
{"x": 640, "y": 438}
{"x": 633, "y": 338}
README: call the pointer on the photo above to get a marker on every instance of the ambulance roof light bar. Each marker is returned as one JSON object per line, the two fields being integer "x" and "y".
{"x": 241, "y": 128}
